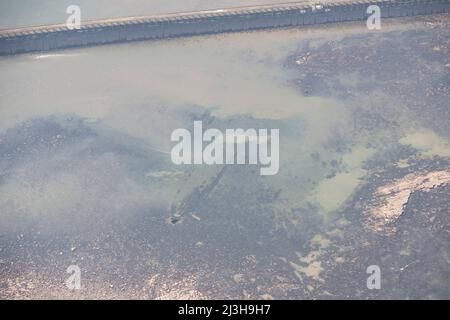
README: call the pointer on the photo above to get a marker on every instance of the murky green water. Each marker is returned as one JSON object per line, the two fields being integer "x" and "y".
{"x": 86, "y": 177}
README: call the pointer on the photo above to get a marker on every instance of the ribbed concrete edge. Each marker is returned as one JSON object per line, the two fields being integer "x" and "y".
{"x": 53, "y": 37}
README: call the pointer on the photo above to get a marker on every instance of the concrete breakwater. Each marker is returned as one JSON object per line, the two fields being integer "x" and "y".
{"x": 52, "y": 37}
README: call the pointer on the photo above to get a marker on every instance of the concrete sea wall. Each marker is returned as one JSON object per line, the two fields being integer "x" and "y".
{"x": 52, "y": 37}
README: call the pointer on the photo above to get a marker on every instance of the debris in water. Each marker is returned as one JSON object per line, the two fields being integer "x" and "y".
{"x": 238, "y": 278}
{"x": 390, "y": 200}
{"x": 303, "y": 59}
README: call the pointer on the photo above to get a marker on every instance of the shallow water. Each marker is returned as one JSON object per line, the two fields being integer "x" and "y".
{"x": 86, "y": 177}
